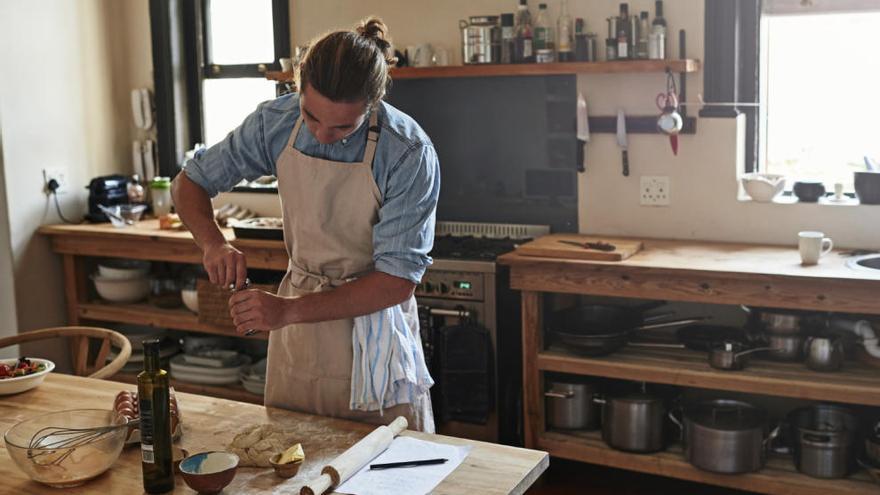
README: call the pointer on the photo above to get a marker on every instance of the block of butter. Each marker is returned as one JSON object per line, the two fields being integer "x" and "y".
{"x": 293, "y": 454}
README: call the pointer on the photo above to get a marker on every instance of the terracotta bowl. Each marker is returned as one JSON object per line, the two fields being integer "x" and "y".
{"x": 209, "y": 472}
{"x": 286, "y": 470}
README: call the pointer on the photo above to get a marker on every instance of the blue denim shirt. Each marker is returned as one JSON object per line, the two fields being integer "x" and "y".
{"x": 405, "y": 168}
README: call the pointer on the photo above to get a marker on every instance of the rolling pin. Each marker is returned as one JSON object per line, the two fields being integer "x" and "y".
{"x": 356, "y": 457}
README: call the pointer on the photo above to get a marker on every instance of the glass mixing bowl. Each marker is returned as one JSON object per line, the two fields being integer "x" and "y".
{"x": 68, "y": 465}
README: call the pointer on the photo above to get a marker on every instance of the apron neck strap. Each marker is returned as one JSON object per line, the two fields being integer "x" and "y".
{"x": 372, "y": 136}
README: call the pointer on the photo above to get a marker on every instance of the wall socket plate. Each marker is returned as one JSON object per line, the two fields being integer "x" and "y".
{"x": 654, "y": 190}
{"x": 60, "y": 176}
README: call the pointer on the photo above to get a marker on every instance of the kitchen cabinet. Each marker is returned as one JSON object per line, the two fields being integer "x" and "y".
{"x": 210, "y": 424}
{"x": 717, "y": 273}
{"x": 145, "y": 241}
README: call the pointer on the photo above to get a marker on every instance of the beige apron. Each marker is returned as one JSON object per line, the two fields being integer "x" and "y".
{"x": 329, "y": 211}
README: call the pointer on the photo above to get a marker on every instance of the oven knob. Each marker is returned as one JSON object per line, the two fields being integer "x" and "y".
{"x": 444, "y": 288}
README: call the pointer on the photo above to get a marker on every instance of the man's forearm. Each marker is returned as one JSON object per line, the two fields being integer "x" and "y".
{"x": 365, "y": 295}
{"x": 196, "y": 211}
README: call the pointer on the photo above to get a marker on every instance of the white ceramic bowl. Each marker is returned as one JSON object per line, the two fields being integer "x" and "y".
{"x": 122, "y": 291}
{"x": 27, "y": 382}
{"x": 123, "y": 269}
{"x": 763, "y": 187}
{"x": 190, "y": 299}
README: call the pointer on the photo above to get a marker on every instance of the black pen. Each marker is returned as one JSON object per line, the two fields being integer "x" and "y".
{"x": 425, "y": 462}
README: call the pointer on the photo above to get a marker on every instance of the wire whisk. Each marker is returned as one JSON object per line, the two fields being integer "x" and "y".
{"x": 52, "y": 445}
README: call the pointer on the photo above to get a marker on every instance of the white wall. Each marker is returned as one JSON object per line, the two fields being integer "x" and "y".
{"x": 703, "y": 176}
{"x": 63, "y": 104}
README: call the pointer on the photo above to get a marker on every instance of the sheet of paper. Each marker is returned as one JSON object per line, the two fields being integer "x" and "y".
{"x": 417, "y": 480}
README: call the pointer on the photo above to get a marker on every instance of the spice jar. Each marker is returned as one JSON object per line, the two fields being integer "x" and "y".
{"x": 160, "y": 193}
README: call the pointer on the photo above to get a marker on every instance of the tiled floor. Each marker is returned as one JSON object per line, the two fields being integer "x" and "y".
{"x": 568, "y": 477}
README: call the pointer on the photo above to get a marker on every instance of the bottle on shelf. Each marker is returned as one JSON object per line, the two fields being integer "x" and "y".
{"x": 508, "y": 39}
{"x": 644, "y": 32}
{"x": 544, "y": 38}
{"x": 154, "y": 403}
{"x": 611, "y": 40}
{"x": 623, "y": 32}
{"x": 565, "y": 51}
{"x": 633, "y": 36}
{"x": 657, "y": 40}
{"x": 525, "y": 53}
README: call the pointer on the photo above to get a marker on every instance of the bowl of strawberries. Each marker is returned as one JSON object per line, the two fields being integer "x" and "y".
{"x": 18, "y": 375}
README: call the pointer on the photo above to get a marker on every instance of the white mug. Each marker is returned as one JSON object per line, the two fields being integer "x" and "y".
{"x": 813, "y": 245}
{"x": 419, "y": 55}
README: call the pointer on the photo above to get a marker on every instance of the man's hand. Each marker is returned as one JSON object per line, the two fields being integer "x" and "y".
{"x": 226, "y": 266}
{"x": 259, "y": 310}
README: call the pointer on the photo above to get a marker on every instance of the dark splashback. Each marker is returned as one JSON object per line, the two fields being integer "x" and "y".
{"x": 507, "y": 146}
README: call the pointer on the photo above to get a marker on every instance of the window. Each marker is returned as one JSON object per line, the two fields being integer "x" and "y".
{"x": 209, "y": 57}
{"x": 821, "y": 104}
{"x": 239, "y": 45}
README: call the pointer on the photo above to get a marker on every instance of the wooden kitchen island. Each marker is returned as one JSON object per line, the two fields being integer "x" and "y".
{"x": 209, "y": 424}
{"x": 715, "y": 273}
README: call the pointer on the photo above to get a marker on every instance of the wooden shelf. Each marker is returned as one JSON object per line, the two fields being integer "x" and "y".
{"x": 231, "y": 392}
{"x": 495, "y": 70}
{"x": 855, "y": 384}
{"x": 779, "y": 476}
{"x": 145, "y": 314}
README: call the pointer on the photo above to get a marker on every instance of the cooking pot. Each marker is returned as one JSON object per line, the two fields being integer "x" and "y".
{"x": 725, "y": 436}
{"x": 633, "y": 422}
{"x": 824, "y": 440}
{"x": 785, "y": 347}
{"x": 731, "y": 355}
{"x": 824, "y": 353}
{"x": 783, "y": 322}
{"x": 570, "y": 406}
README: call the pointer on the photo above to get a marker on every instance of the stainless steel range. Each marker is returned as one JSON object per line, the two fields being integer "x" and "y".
{"x": 465, "y": 285}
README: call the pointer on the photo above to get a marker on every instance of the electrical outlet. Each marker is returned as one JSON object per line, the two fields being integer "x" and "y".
{"x": 654, "y": 191}
{"x": 60, "y": 176}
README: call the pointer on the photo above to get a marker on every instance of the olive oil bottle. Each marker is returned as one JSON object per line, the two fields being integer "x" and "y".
{"x": 154, "y": 404}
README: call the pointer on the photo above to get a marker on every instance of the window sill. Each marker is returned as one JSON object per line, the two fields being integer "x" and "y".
{"x": 791, "y": 200}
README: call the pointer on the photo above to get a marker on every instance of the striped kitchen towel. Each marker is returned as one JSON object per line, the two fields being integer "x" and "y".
{"x": 388, "y": 364}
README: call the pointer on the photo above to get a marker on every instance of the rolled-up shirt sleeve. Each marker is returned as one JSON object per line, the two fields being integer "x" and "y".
{"x": 405, "y": 233}
{"x": 243, "y": 154}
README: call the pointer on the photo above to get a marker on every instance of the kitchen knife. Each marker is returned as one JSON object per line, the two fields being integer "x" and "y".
{"x": 621, "y": 140}
{"x": 583, "y": 132}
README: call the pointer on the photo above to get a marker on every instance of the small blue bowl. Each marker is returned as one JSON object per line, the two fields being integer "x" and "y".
{"x": 209, "y": 472}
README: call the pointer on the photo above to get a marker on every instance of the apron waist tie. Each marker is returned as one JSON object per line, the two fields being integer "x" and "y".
{"x": 323, "y": 280}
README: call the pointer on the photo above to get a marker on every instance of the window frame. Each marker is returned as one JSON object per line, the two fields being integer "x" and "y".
{"x": 181, "y": 62}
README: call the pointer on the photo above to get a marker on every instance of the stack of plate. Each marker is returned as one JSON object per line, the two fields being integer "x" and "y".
{"x": 253, "y": 377}
{"x": 135, "y": 363}
{"x": 206, "y": 373}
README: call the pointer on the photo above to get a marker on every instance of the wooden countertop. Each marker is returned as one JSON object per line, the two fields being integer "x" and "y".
{"x": 711, "y": 272}
{"x": 144, "y": 240}
{"x": 209, "y": 424}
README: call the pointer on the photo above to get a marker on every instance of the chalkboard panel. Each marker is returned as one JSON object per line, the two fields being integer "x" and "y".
{"x": 507, "y": 146}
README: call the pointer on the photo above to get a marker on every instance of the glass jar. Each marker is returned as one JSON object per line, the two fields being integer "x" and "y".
{"x": 160, "y": 194}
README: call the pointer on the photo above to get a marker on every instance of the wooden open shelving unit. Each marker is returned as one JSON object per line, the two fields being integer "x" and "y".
{"x": 557, "y": 68}
{"x": 715, "y": 273}
{"x": 856, "y": 384}
{"x": 778, "y": 476}
{"x": 231, "y": 392}
{"x": 145, "y": 241}
{"x": 145, "y": 314}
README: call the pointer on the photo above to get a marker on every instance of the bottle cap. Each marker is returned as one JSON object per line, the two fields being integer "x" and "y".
{"x": 160, "y": 183}
{"x": 644, "y": 15}
{"x": 507, "y": 20}
{"x": 151, "y": 346}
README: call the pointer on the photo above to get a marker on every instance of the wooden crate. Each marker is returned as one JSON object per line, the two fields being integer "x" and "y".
{"x": 214, "y": 302}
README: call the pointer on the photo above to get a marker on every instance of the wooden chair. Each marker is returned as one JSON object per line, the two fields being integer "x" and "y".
{"x": 80, "y": 348}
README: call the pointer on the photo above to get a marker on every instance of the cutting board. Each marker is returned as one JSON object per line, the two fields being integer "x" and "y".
{"x": 550, "y": 247}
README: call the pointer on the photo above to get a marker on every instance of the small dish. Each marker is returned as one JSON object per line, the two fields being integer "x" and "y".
{"x": 285, "y": 470}
{"x": 209, "y": 472}
{"x": 215, "y": 358}
{"x": 763, "y": 187}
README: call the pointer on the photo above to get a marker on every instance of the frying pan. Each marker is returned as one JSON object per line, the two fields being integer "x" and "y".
{"x": 596, "y": 330}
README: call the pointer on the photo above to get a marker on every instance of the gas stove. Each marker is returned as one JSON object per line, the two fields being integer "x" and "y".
{"x": 465, "y": 284}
